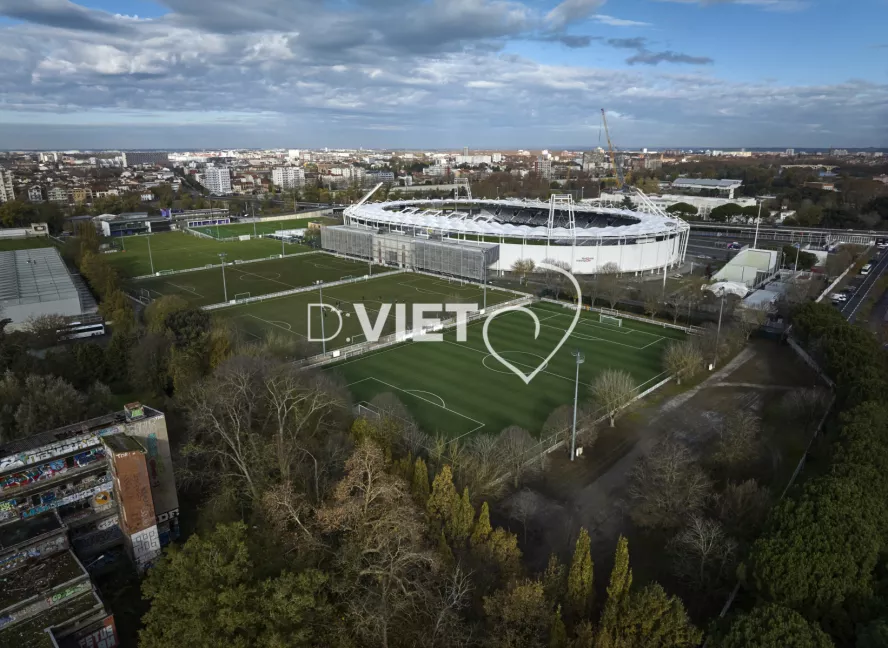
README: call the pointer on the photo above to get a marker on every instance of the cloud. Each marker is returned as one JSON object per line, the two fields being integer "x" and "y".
{"x": 64, "y": 15}
{"x": 645, "y": 57}
{"x": 571, "y": 11}
{"x": 770, "y": 5}
{"x": 627, "y": 43}
{"x": 619, "y": 22}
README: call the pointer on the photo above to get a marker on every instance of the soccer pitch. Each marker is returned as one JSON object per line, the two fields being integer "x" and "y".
{"x": 181, "y": 251}
{"x": 204, "y": 287}
{"x": 268, "y": 227}
{"x": 459, "y": 388}
{"x": 289, "y": 314}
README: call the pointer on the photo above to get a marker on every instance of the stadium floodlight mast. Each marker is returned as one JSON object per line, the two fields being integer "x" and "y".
{"x": 150, "y": 258}
{"x": 719, "y": 329}
{"x": 224, "y": 286}
{"x": 580, "y": 357}
{"x": 321, "y": 301}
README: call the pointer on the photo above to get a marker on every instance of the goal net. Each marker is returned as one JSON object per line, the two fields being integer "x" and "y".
{"x": 240, "y": 297}
{"x": 608, "y": 319}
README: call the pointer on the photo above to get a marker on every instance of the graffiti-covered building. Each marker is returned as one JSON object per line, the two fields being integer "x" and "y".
{"x": 73, "y": 499}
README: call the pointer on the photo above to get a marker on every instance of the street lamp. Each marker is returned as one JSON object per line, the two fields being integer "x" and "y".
{"x": 150, "y": 258}
{"x": 580, "y": 357}
{"x": 222, "y": 256}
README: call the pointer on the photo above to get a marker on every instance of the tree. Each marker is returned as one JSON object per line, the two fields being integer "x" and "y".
{"x": 157, "y": 312}
{"x": 462, "y": 519}
{"x": 683, "y": 360}
{"x": 749, "y": 319}
{"x": 560, "y": 424}
{"x": 651, "y": 295}
{"x": 702, "y": 554}
{"x": 652, "y": 619}
{"x": 420, "y": 482}
{"x": 554, "y": 580}
{"x": 523, "y": 267}
{"x": 806, "y": 260}
{"x": 44, "y": 329}
{"x": 773, "y": 626}
{"x": 519, "y": 617}
{"x": 47, "y": 402}
{"x": 610, "y": 284}
{"x": 726, "y": 212}
{"x": 619, "y": 588}
{"x": 579, "y": 578}
{"x": 612, "y": 390}
{"x": 482, "y": 530}
{"x": 443, "y": 500}
{"x": 515, "y": 444}
{"x": 667, "y": 485}
{"x": 682, "y": 209}
{"x": 206, "y": 594}
{"x": 737, "y": 443}
{"x": 149, "y": 366}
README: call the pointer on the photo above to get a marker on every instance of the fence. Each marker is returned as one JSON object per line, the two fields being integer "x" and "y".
{"x": 392, "y": 339}
{"x": 693, "y": 330}
{"x": 295, "y": 291}
{"x": 210, "y": 266}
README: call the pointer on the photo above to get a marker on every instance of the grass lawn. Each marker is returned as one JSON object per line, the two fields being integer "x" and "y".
{"x": 290, "y": 314}
{"x": 180, "y": 251}
{"x": 459, "y": 388}
{"x": 239, "y": 229}
{"x": 204, "y": 287}
{"x": 7, "y": 245}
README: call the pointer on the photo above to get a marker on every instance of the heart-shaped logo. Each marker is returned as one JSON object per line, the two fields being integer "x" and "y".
{"x": 528, "y": 377}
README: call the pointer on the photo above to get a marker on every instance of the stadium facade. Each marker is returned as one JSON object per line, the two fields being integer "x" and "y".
{"x": 585, "y": 236}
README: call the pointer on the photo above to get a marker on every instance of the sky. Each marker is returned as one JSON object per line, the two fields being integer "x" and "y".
{"x": 485, "y": 74}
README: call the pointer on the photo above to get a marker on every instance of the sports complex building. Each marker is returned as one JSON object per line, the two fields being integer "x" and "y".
{"x": 585, "y": 236}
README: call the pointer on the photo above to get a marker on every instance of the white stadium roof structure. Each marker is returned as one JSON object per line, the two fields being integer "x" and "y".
{"x": 429, "y": 214}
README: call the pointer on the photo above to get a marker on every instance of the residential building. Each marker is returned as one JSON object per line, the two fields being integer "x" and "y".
{"x": 543, "y": 167}
{"x": 57, "y": 194}
{"x": 79, "y": 195}
{"x": 217, "y": 180}
{"x": 437, "y": 170}
{"x": 652, "y": 163}
{"x": 373, "y": 177}
{"x": 6, "y": 190}
{"x": 288, "y": 177}
{"x": 473, "y": 160}
{"x": 136, "y": 158}
{"x": 35, "y": 193}
{"x": 790, "y": 152}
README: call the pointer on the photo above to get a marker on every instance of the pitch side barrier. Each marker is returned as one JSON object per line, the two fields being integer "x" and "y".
{"x": 210, "y": 266}
{"x": 338, "y": 355}
{"x": 693, "y": 330}
{"x": 296, "y": 291}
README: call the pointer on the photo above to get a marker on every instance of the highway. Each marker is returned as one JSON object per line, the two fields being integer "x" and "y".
{"x": 850, "y": 307}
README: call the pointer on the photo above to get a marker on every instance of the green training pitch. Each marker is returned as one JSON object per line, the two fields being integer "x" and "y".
{"x": 289, "y": 314}
{"x": 259, "y": 229}
{"x": 181, "y": 251}
{"x": 458, "y": 388}
{"x": 204, "y": 287}
{"x": 31, "y": 243}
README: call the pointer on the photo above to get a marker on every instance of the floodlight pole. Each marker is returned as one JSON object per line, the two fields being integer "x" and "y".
{"x": 798, "y": 250}
{"x": 323, "y": 334}
{"x": 718, "y": 331}
{"x": 573, "y": 436}
{"x": 282, "y": 243}
{"x": 150, "y": 258}
{"x": 757, "y": 221}
{"x": 224, "y": 286}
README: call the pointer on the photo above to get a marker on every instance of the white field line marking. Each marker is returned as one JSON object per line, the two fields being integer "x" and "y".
{"x": 406, "y": 391}
{"x": 193, "y": 292}
{"x": 267, "y": 279}
{"x": 611, "y": 329}
{"x": 593, "y": 338}
{"x": 272, "y": 323}
{"x": 485, "y": 353}
{"x": 423, "y": 391}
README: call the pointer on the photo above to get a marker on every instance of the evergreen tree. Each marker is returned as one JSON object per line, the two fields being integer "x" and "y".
{"x": 420, "y": 483}
{"x": 444, "y": 550}
{"x": 579, "y": 580}
{"x": 461, "y": 518}
{"x": 554, "y": 580}
{"x": 618, "y": 589}
{"x": 482, "y": 529}
{"x": 442, "y": 498}
{"x": 557, "y": 633}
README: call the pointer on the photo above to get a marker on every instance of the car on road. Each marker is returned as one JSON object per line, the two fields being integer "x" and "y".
{"x": 734, "y": 245}
{"x": 840, "y": 297}
{"x": 865, "y": 270}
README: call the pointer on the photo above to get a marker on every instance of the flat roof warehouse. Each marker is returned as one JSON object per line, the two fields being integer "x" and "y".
{"x": 36, "y": 282}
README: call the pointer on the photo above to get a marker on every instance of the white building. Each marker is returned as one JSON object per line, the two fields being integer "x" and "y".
{"x": 35, "y": 194}
{"x": 217, "y": 180}
{"x": 6, "y": 192}
{"x": 543, "y": 167}
{"x": 698, "y": 184}
{"x": 437, "y": 170}
{"x": 704, "y": 205}
{"x": 294, "y": 154}
{"x": 473, "y": 160}
{"x": 288, "y": 177}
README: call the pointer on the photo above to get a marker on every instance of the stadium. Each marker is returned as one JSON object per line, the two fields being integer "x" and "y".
{"x": 586, "y": 236}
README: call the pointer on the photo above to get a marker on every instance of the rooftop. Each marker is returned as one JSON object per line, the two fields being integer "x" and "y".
{"x": 707, "y": 183}
{"x": 31, "y": 276}
{"x": 122, "y": 443}
{"x": 28, "y": 581}
{"x": 28, "y": 529}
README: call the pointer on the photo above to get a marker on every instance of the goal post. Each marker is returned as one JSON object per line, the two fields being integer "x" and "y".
{"x": 609, "y": 319}
{"x": 239, "y": 297}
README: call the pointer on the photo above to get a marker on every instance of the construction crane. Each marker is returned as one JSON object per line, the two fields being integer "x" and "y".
{"x": 615, "y": 160}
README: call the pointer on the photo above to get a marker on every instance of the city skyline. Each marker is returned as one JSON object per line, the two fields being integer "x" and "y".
{"x": 493, "y": 74}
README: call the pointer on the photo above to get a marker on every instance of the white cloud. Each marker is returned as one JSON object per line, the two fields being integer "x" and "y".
{"x": 619, "y": 22}
{"x": 571, "y": 11}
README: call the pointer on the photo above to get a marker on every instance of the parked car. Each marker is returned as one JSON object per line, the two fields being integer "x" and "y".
{"x": 840, "y": 297}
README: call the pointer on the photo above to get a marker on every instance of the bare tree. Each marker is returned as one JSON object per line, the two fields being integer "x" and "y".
{"x": 651, "y": 294}
{"x": 683, "y": 360}
{"x": 749, "y": 319}
{"x": 805, "y": 405}
{"x": 612, "y": 390}
{"x": 515, "y": 444}
{"x": 610, "y": 284}
{"x": 667, "y": 485}
{"x": 737, "y": 443}
{"x": 45, "y": 329}
{"x": 742, "y": 508}
{"x": 553, "y": 280}
{"x": 482, "y": 468}
{"x": 702, "y": 553}
{"x": 523, "y": 267}
{"x": 560, "y": 422}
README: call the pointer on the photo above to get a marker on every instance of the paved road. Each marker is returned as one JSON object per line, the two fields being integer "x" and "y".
{"x": 850, "y": 308}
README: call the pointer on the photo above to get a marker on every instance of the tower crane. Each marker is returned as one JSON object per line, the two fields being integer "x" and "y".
{"x": 616, "y": 160}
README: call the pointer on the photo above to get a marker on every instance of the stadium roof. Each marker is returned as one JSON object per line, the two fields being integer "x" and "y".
{"x": 38, "y": 275}
{"x": 427, "y": 216}
{"x": 705, "y": 183}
